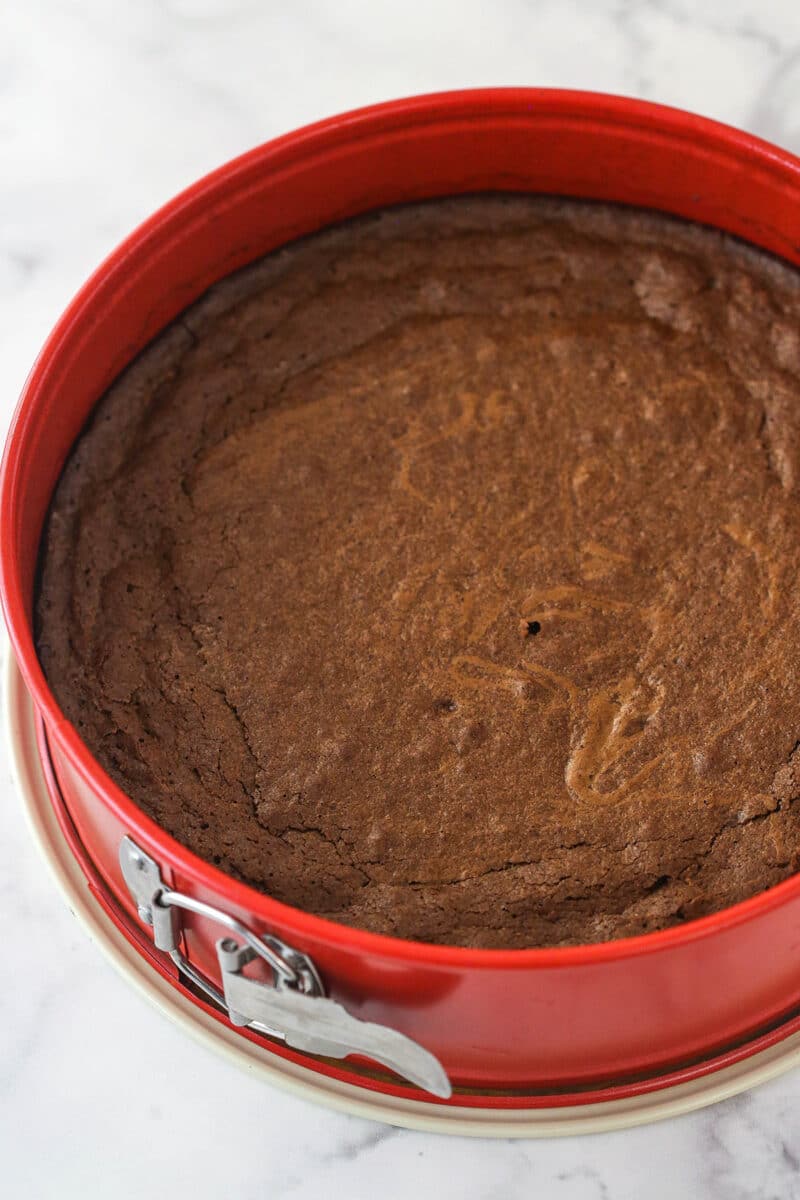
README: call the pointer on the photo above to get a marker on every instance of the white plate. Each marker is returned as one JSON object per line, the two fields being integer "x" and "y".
{"x": 258, "y": 1060}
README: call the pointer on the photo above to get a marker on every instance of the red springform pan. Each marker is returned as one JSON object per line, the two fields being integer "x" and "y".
{"x": 537, "y": 1026}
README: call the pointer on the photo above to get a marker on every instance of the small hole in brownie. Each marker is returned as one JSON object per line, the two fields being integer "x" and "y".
{"x": 129, "y": 588}
{"x": 634, "y": 726}
{"x": 204, "y": 824}
{"x": 445, "y": 704}
{"x": 660, "y": 883}
{"x": 533, "y": 628}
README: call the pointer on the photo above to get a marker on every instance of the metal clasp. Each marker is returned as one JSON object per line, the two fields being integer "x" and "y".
{"x": 294, "y": 1006}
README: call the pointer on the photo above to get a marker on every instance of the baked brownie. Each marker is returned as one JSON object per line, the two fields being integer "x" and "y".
{"x": 437, "y": 574}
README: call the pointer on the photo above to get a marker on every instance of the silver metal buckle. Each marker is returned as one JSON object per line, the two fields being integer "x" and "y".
{"x": 294, "y": 1006}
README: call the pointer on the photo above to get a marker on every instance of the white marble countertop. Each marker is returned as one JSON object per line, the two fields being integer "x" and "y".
{"x": 106, "y": 110}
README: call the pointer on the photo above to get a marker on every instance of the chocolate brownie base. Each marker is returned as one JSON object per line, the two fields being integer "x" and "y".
{"x": 438, "y": 574}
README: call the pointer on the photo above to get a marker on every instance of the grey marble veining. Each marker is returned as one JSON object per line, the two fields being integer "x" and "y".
{"x": 106, "y": 110}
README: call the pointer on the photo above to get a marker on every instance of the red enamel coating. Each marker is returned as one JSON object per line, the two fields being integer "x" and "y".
{"x": 525, "y": 1018}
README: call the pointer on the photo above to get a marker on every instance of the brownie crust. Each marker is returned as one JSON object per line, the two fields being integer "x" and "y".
{"x": 437, "y": 574}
